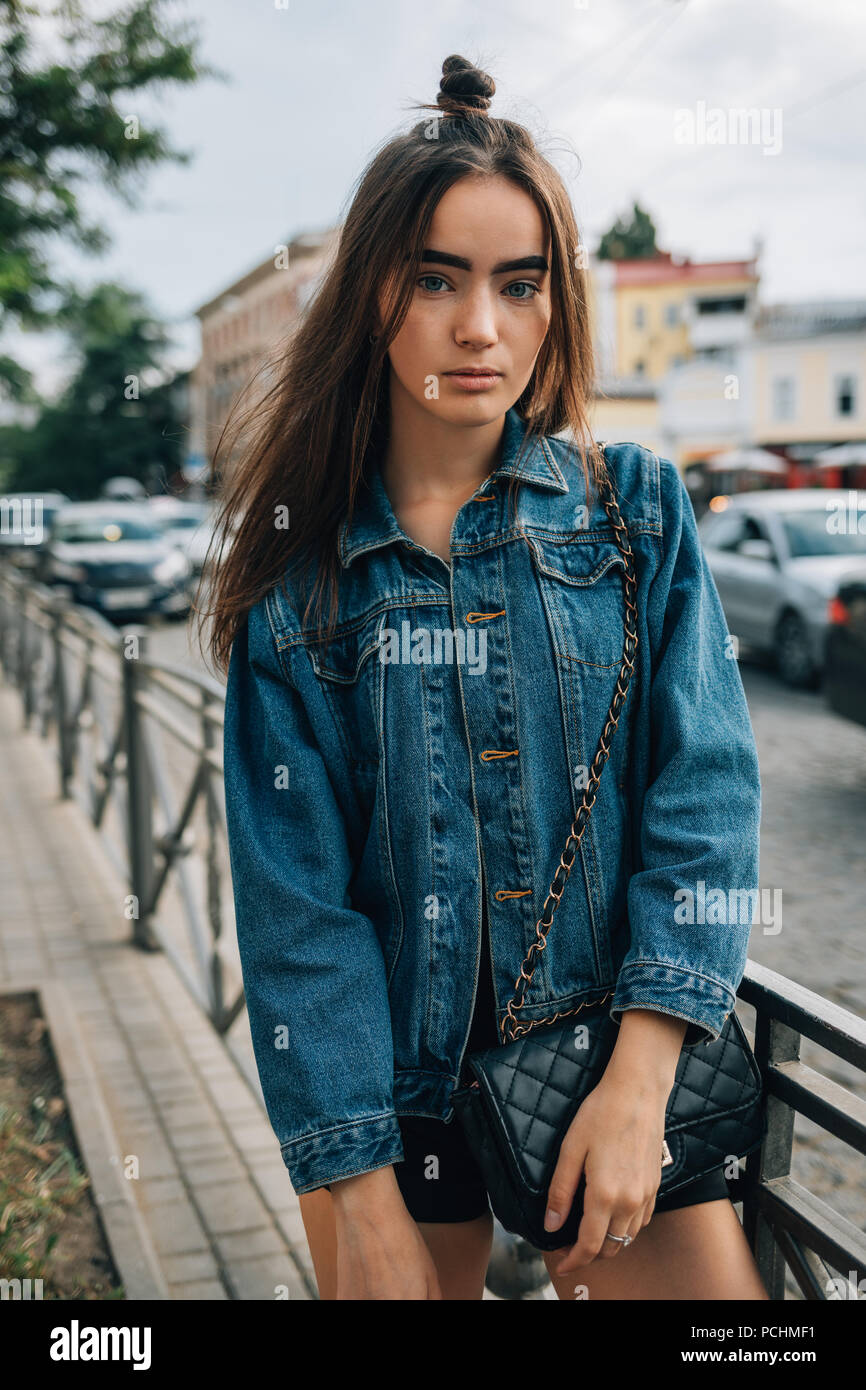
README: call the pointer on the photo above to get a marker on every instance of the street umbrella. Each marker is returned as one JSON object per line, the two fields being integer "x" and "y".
{"x": 841, "y": 456}
{"x": 747, "y": 460}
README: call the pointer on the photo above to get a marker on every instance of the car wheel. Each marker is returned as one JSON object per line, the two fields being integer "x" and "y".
{"x": 793, "y": 655}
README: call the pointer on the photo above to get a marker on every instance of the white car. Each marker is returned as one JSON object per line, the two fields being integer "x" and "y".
{"x": 778, "y": 558}
{"x": 187, "y": 525}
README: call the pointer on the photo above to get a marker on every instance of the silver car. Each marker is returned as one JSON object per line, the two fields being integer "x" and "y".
{"x": 778, "y": 558}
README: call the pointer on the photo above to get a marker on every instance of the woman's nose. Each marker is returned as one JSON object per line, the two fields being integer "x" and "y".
{"x": 476, "y": 318}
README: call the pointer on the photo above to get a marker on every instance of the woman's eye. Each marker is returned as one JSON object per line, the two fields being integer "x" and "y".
{"x": 524, "y": 285}
{"x": 424, "y": 281}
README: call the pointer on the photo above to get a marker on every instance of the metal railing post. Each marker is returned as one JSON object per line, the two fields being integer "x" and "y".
{"x": 65, "y": 748}
{"x": 214, "y": 904}
{"x": 139, "y": 798}
{"x": 775, "y": 1042}
{"x": 21, "y": 672}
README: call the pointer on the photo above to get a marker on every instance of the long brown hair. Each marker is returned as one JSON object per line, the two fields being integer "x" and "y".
{"x": 314, "y": 428}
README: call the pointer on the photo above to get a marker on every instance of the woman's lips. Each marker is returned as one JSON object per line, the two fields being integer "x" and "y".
{"x": 474, "y": 381}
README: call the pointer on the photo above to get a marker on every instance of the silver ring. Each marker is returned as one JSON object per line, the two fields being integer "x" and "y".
{"x": 622, "y": 1240}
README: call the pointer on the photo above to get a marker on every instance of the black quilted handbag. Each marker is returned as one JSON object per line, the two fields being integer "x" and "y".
{"x": 526, "y": 1092}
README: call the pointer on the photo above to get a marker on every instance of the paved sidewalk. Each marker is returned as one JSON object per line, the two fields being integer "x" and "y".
{"x": 212, "y": 1192}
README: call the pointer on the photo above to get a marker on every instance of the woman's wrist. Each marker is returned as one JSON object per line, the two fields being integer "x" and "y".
{"x": 371, "y": 1192}
{"x": 648, "y": 1048}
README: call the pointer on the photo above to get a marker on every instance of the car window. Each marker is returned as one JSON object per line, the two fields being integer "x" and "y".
{"x": 725, "y": 531}
{"x": 823, "y": 532}
{"x": 754, "y": 531}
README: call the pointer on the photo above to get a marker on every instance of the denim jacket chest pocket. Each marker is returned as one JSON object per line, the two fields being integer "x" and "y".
{"x": 583, "y": 595}
{"x": 350, "y": 676}
{"x": 582, "y": 589}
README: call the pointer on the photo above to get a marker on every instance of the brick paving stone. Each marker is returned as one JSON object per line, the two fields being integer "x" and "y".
{"x": 175, "y": 1228}
{"x": 215, "y": 1168}
{"x": 245, "y": 1245}
{"x": 152, "y": 1191}
{"x": 233, "y": 1206}
{"x": 266, "y": 1278}
{"x": 199, "y": 1291}
{"x": 188, "y": 1269}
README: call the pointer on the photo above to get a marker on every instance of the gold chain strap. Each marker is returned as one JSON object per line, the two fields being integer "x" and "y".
{"x": 542, "y": 927}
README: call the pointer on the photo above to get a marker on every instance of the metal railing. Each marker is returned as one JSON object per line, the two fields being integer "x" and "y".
{"x": 786, "y": 1223}
{"x": 109, "y": 709}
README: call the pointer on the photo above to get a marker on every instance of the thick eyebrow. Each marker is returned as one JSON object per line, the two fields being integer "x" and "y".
{"x": 461, "y": 263}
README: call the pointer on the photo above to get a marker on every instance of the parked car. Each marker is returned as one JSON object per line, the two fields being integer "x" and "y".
{"x": 112, "y": 557}
{"x": 25, "y": 520}
{"x": 189, "y": 526}
{"x": 845, "y": 666}
{"x": 123, "y": 490}
{"x": 778, "y": 559}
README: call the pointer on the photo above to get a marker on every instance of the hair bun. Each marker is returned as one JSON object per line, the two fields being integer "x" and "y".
{"x": 464, "y": 87}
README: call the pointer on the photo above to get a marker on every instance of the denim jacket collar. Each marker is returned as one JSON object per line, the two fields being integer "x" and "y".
{"x": 374, "y": 523}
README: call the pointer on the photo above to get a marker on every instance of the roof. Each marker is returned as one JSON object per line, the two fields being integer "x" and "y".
{"x": 302, "y": 247}
{"x": 664, "y": 269}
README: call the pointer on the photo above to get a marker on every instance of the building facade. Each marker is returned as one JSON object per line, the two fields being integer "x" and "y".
{"x": 243, "y": 329}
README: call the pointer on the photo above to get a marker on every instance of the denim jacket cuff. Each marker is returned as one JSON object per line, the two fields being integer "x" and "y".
{"x": 343, "y": 1151}
{"x": 672, "y": 989}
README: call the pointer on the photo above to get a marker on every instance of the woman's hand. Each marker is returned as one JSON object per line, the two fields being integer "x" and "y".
{"x": 615, "y": 1139}
{"x": 381, "y": 1254}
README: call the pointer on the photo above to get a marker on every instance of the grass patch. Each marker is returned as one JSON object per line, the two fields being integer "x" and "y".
{"x": 49, "y": 1224}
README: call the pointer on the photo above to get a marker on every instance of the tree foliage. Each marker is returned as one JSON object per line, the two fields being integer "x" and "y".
{"x": 631, "y": 238}
{"x": 117, "y": 416}
{"x": 67, "y": 119}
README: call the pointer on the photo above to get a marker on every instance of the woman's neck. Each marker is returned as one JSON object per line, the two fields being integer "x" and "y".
{"x": 427, "y": 459}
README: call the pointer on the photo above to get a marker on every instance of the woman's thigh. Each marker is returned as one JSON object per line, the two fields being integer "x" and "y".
{"x": 460, "y": 1249}
{"x": 692, "y": 1253}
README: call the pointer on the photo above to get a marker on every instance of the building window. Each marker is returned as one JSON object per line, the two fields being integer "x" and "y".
{"x": 640, "y": 367}
{"x": 783, "y": 398}
{"x": 672, "y": 315}
{"x": 639, "y": 316}
{"x": 730, "y": 304}
{"x": 846, "y": 395}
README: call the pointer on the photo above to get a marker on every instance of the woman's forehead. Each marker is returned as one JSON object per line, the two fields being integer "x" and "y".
{"x": 486, "y": 222}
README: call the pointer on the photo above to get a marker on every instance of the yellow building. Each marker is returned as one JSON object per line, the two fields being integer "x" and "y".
{"x": 662, "y": 311}
{"x": 627, "y": 411}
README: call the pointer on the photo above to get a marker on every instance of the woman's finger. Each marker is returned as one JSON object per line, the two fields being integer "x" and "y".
{"x": 624, "y": 1221}
{"x": 595, "y": 1222}
{"x": 564, "y": 1183}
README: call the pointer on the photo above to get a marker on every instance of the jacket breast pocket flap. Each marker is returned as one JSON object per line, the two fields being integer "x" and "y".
{"x": 582, "y": 589}
{"x": 344, "y": 657}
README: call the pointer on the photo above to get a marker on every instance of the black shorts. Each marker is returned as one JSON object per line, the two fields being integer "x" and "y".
{"x": 440, "y": 1180}
{"x": 438, "y": 1177}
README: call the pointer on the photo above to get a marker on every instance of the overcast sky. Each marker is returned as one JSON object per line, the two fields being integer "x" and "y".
{"x": 314, "y": 86}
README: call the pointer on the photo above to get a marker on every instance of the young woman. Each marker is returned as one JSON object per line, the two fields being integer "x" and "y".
{"x": 422, "y": 606}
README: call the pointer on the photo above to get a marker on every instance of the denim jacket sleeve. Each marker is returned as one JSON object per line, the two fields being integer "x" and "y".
{"x": 690, "y": 903}
{"x": 309, "y": 961}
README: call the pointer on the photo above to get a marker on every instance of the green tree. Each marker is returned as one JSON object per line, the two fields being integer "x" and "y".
{"x": 632, "y": 238}
{"x": 72, "y": 121}
{"x": 119, "y": 414}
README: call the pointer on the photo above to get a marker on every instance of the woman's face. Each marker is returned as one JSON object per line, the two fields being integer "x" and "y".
{"x": 481, "y": 301}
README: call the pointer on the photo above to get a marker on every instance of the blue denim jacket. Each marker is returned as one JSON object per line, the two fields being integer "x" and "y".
{"x": 378, "y": 787}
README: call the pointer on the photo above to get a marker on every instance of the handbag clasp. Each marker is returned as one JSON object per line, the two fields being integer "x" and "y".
{"x": 667, "y": 1156}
